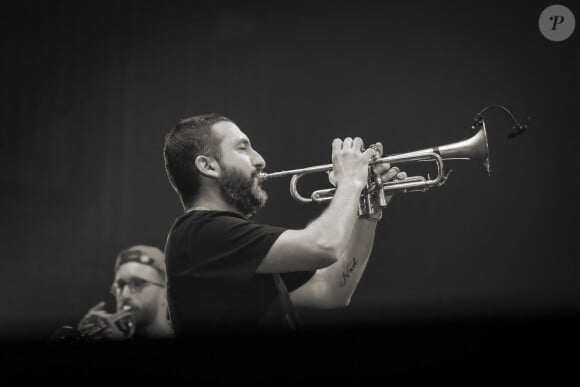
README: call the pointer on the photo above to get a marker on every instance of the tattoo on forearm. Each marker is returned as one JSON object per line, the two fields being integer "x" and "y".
{"x": 350, "y": 266}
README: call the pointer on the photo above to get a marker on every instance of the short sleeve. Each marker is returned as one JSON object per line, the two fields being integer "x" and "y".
{"x": 228, "y": 247}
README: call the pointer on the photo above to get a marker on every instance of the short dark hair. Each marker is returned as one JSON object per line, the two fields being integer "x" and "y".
{"x": 190, "y": 138}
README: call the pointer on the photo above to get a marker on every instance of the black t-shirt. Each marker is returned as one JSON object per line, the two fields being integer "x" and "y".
{"x": 211, "y": 262}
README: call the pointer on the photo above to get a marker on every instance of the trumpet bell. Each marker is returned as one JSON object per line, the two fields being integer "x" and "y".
{"x": 474, "y": 147}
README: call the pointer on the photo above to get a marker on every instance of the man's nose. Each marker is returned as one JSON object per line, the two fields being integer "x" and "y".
{"x": 259, "y": 161}
{"x": 126, "y": 291}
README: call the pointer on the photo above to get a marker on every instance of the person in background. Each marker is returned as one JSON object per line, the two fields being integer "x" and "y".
{"x": 141, "y": 302}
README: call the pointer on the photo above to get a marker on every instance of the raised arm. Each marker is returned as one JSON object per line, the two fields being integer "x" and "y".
{"x": 324, "y": 241}
{"x": 333, "y": 286}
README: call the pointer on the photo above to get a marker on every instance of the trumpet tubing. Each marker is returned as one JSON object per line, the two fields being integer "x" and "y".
{"x": 123, "y": 319}
{"x": 472, "y": 148}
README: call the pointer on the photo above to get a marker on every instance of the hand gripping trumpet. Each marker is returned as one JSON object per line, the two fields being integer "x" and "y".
{"x": 474, "y": 147}
{"x": 123, "y": 319}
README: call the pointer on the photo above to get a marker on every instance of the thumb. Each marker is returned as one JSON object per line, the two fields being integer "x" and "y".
{"x": 378, "y": 147}
{"x": 369, "y": 154}
{"x": 97, "y": 307}
{"x": 331, "y": 178}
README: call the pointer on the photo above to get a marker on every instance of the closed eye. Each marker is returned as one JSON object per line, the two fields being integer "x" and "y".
{"x": 244, "y": 144}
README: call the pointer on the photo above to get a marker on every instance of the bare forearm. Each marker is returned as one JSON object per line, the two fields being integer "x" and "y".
{"x": 333, "y": 286}
{"x": 344, "y": 275}
{"x": 321, "y": 242}
{"x": 336, "y": 224}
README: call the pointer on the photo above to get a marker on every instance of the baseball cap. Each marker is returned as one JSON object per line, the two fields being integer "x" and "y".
{"x": 146, "y": 255}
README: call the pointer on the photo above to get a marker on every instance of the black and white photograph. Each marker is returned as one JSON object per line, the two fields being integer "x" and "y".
{"x": 290, "y": 192}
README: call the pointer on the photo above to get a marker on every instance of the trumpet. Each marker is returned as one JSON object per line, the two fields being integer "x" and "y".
{"x": 123, "y": 319}
{"x": 474, "y": 147}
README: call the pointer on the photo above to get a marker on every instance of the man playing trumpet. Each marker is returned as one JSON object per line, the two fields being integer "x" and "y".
{"x": 225, "y": 272}
{"x": 139, "y": 291}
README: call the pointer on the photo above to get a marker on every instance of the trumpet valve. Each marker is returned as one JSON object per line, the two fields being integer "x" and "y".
{"x": 364, "y": 206}
{"x": 370, "y": 209}
{"x": 380, "y": 192}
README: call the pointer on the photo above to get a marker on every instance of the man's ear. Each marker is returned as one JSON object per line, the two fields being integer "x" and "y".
{"x": 207, "y": 166}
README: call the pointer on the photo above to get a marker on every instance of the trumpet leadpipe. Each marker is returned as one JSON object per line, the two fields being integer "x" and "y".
{"x": 302, "y": 171}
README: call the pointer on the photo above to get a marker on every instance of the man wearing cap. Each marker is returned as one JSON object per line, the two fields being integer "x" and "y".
{"x": 139, "y": 291}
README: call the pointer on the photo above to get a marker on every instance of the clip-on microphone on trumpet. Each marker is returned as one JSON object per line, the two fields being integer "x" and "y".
{"x": 518, "y": 128}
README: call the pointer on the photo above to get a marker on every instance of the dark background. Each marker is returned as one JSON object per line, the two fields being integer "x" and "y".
{"x": 89, "y": 89}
